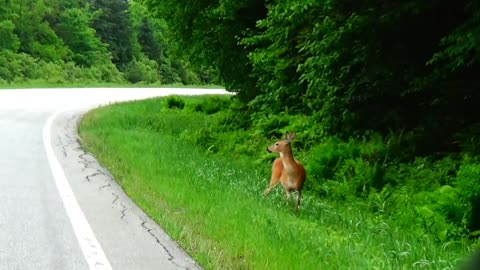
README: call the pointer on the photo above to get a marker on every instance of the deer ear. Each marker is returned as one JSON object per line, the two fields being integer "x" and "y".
{"x": 290, "y": 136}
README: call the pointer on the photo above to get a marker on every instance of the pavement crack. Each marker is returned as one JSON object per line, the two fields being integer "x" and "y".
{"x": 123, "y": 211}
{"x": 62, "y": 145}
{"x": 86, "y": 164}
{"x": 104, "y": 186}
{"x": 171, "y": 258}
{"x": 89, "y": 177}
{"x": 123, "y": 207}
{"x": 116, "y": 198}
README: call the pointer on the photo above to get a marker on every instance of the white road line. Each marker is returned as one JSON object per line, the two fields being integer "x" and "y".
{"x": 91, "y": 249}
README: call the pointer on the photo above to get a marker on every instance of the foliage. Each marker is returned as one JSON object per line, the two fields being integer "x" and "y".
{"x": 438, "y": 194}
{"x": 352, "y": 68}
{"x": 211, "y": 31}
{"x": 419, "y": 219}
{"x": 212, "y": 105}
{"x": 468, "y": 188}
{"x": 112, "y": 25}
{"x": 9, "y": 40}
{"x": 21, "y": 67}
{"x": 175, "y": 102}
{"x": 87, "y": 49}
{"x": 383, "y": 95}
{"x": 90, "y": 41}
{"x": 143, "y": 70}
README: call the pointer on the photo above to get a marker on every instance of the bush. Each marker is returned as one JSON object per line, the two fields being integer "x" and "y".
{"x": 143, "y": 70}
{"x": 235, "y": 117}
{"x": 20, "y": 67}
{"x": 212, "y": 105}
{"x": 272, "y": 125}
{"x": 468, "y": 188}
{"x": 51, "y": 72}
{"x": 16, "y": 66}
{"x": 186, "y": 75}
{"x": 175, "y": 102}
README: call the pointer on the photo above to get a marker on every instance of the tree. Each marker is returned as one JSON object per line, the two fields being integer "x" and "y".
{"x": 36, "y": 36}
{"x": 74, "y": 28}
{"x": 211, "y": 31}
{"x": 352, "y": 66}
{"x": 114, "y": 28}
{"x": 9, "y": 40}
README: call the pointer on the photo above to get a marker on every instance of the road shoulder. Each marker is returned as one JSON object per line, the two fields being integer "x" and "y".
{"x": 129, "y": 238}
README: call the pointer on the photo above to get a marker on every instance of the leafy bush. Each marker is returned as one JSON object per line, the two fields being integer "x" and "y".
{"x": 167, "y": 73}
{"x": 186, "y": 75}
{"x": 212, "y": 105}
{"x": 468, "y": 187}
{"x": 235, "y": 117}
{"x": 143, "y": 70}
{"x": 15, "y": 67}
{"x": 107, "y": 73}
{"x": 9, "y": 40}
{"x": 272, "y": 125}
{"x": 355, "y": 163}
{"x": 20, "y": 67}
{"x": 175, "y": 102}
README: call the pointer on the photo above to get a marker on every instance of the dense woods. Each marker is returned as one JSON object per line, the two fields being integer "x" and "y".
{"x": 383, "y": 96}
{"x": 87, "y": 42}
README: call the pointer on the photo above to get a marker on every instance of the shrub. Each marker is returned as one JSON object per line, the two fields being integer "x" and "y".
{"x": 52, "y": 73}
{"x": 186, "y": 75}
{"x": 468, "y": 187}
{"x": 175, "y": 102}
{"x": 272, "y": 125}
{"x": 16, "y": 66}
{"x": 236, "y": 117}
{"x": 326, "y": 158}
{"x": 212, "y": 105}
{"x": 108, "y": 73}
{"x": 143, "y": 70}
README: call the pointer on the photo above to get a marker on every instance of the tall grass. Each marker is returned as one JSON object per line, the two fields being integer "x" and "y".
{"x": 212, "y": 204}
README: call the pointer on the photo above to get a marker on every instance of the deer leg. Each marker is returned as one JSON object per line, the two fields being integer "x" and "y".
{"x": 287, "y": 194}
{"x": 270, "y": 187}
{"x": 276, "y": 173}
{"x": 298, "y": 199}
{"x": 273, "y": 182}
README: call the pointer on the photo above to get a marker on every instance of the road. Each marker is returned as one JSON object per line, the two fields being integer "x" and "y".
{"x": 59, "y": 209}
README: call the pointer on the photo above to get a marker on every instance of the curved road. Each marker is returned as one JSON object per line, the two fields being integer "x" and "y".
{"x": 59, "y": 209}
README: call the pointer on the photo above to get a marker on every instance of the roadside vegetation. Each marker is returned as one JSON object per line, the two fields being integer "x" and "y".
{"x": 181, "y": 161}
{"x": 383, "y": 96}
{"x": 90, "y": 43}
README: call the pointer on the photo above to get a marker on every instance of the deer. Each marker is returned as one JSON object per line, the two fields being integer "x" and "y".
{"x": 286, "y": 169}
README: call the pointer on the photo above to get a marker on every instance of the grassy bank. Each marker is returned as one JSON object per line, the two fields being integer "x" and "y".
{"x": 212, "y": 203}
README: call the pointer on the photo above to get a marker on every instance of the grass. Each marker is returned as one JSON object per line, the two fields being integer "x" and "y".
{"x": 212, "y": 204}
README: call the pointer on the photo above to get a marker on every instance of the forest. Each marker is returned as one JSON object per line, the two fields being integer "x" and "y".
{"x": 88, "y": 43}
{"x": 384, "y": 97}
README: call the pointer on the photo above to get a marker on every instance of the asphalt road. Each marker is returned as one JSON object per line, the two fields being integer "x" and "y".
{"x": 59, "y": 209}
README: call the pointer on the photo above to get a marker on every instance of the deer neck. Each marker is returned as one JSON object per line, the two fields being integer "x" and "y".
{"x": 287, "y": 158}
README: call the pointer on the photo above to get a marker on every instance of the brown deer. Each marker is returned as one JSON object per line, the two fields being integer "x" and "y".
{"x": 286, "y": 169}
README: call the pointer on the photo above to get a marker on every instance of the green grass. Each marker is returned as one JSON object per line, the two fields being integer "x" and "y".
{"x": 212, "y": 204}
